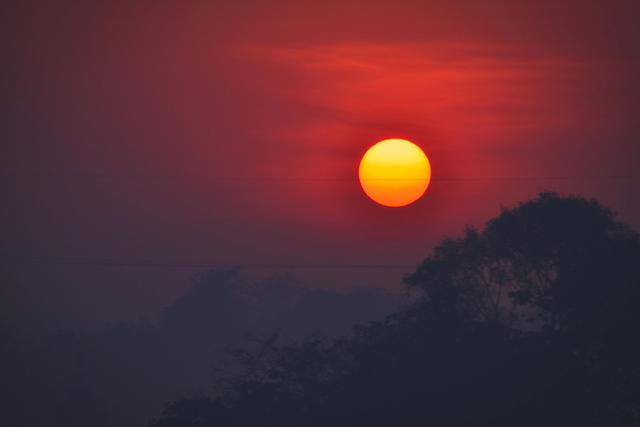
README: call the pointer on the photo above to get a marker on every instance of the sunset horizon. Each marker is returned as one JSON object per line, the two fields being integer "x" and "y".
{"x": 192, "y": 187}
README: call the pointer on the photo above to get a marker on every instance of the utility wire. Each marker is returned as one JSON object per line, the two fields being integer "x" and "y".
{"x": 113, "y": 262}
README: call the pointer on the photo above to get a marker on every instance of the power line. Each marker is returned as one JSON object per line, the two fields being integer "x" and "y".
{"x": 114, "y": 262}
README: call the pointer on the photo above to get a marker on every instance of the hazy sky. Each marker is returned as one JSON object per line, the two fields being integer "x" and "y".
{"x": 163, "y": 133}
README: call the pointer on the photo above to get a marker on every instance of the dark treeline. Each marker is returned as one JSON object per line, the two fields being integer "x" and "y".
{"x": 120, "y": 375}
{"x": 531, "y": 321}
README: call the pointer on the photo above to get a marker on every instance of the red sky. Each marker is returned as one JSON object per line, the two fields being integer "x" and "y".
{"x": 192, "y": 132}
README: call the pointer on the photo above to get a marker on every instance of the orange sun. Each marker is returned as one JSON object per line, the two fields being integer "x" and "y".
{"x": 394, "y": 172}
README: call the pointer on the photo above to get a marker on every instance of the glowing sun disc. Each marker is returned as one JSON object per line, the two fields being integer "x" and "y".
{"x": 394, "y": 172}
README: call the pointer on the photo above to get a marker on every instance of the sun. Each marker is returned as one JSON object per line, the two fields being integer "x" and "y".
{"x": 394, "y": 172}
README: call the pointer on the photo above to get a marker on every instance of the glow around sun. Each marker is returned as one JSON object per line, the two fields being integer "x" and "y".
{"x": 394, "y": 172}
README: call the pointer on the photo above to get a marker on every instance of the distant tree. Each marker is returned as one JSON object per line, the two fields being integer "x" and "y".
{"x": 79, "y": 405}
{"x": 118, "y": 375}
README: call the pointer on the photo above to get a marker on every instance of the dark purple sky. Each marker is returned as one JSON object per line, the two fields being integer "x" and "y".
{"x": 229, "y": 134}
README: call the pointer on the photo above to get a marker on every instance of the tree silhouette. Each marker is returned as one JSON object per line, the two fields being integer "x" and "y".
{"x": 530, "y": 321}
{"x": 79, "y": 405}
{"x": 120, "y": 374}
{"x": 564, "y": 263}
